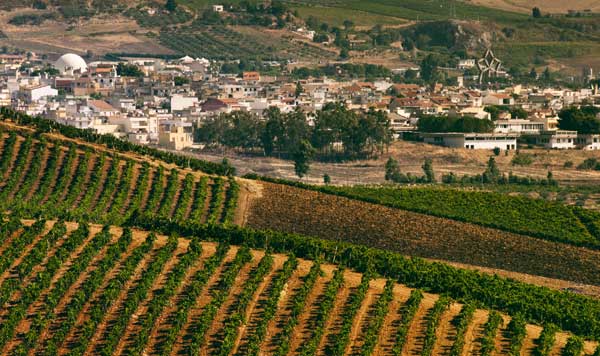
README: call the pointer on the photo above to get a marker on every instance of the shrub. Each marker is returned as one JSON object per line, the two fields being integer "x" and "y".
{"x": 522, "y": 159}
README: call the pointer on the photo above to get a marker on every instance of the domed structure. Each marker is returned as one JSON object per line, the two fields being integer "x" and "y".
{"x": 69, "y": 63}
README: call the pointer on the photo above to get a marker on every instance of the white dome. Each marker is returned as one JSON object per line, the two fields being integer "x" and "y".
{"x": 70, "y": 63}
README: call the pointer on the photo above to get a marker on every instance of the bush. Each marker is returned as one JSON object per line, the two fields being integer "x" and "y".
{"x": 568, "y": 164}
{"x": 522, "y": 159}
{"x": 497, "y": 151}
{"x": 590, "y": 164}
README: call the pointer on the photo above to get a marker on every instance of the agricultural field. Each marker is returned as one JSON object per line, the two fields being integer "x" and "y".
{"x": 172, "y": 272}
{"x": 81, "y": 182}
{"x": 296, "y": 210}
{"x": 79, "y": 288}
{"x": 227, "y": 43}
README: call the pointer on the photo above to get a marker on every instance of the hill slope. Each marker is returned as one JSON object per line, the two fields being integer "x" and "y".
{"x": 115, "y": 291}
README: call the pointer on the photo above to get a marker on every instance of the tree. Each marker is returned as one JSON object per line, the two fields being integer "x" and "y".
{"x": 344, "y": 54}
{"x": 428, "y": 170}
{"x": 492, "y": 173}
{"x": 348, "y": 24}
{"x": 496, "y": 151}
{"x": 533, "y": 74}
{"x": 392, "y": 170}
{"x": 302, "y": 157}
{"x": 546, "y": 75}
{"x": 299, "y": 89}
{"x": 536, "y": 12}
{"x": 326, "y": 178}
{"x": 179, "y": 81}
{"x": 583, "y": 120}
{"x": 429, "y": 68}
{"x": 171, "y": 5}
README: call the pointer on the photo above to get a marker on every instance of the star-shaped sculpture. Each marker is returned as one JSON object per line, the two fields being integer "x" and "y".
{"x": 489, "y": 65}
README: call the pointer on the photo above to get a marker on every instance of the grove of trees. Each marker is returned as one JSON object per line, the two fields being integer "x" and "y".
{"x": 335, "y": 133}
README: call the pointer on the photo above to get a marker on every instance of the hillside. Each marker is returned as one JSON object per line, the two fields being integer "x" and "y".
{"x": 74, "y": 179}
{"x": 116, "y": 291}
{"x": 47, "y": 173}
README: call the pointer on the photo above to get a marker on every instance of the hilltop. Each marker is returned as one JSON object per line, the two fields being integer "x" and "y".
{"x": 394, "y": 34}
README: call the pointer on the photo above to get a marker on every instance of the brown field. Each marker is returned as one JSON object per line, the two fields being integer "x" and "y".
{"x": 290, "y": 209}
{"x": 445, "y": 330}
{"x": 100, "y": 34}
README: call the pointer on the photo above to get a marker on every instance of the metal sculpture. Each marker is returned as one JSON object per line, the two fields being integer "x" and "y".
{"x": 489, "y": 66}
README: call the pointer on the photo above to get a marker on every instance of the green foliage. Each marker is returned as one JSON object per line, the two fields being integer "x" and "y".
{"x": 465, "y": 124}
{"x": 461, "y": 323}
{"x": 546, "y": 341}
{"x": 584, "y": 120}
{"x": 428, "y": 171}
{"x": 379, "y": 314}
{"x": 433, "y": 321}
{"x": 518, "y": 332}
{"x": 490, "y": 329}
{"x": 129, "y": 70}
{"x": 522, "y": 159}
{"x": 302, "y": 157}
{"x": 171, "y": 5}
{"x": 408, "y": 314}
{"x": 574, "y": 347}
{"x": 30, "y": 19}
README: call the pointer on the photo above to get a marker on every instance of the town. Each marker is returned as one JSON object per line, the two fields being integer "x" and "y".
{"x": 165, "y": 102}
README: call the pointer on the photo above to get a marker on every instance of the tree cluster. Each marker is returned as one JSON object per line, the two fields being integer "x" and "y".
{"x": 336, "y": 133}
{"x": 583, "y": 120}
{"x": 466, "y": 124}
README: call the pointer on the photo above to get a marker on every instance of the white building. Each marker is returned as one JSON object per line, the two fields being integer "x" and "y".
{"x": 588, "y": 141}
{"x": 70, "y": 64}
{"x": 180, "y": 102}
{"x": 519, "y": 126}
{"x": 466, "y": 64}
{"x": 559, "y": 139}
{"x": 34, "y": 93}
{"x": 472, "y": 141}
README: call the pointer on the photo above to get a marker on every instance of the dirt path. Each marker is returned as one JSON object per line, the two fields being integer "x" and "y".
{"x": 533, "y": 333}
{"x": 249, "y": 191}
{"x": 446, "y": 331}
{"x": 503, "y": 337}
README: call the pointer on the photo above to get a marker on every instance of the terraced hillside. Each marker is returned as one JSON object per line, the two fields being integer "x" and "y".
{"x": 76, "y": 289}
{"x": 81, "y": 181}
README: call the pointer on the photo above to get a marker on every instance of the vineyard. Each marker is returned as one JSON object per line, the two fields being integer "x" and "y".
{"x": 68, "y": 181}
{"x": 172, "y": 273}
{"x": 79, "y": 288}
{"x": 224, "y": 43}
